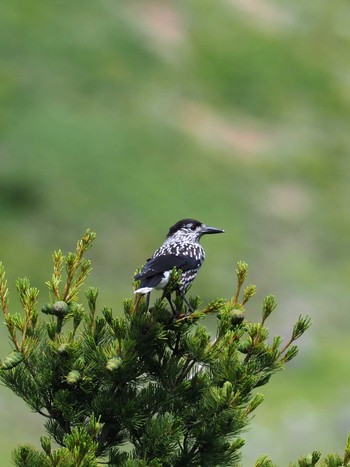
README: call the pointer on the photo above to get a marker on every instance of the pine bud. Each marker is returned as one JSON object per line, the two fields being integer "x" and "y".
{"x": 107, "y": 313}
{"x": 12, "y": 360}
{"x": 45, "y": 442}
{"x": 236, "y": 317}
{"x": 241, "y": 271}
{"x": 114, "y": 363}
{"x": 78, "y": 315}
{"x": 249, "y": 291}
{"x": 73, "y": 377}
{"x": 60, "y": 308}
{"x": 91, "y": 295}
{"x": 244, "y": 347}
{"x": 269, "y": 305}
{"x": 303, "y": 323}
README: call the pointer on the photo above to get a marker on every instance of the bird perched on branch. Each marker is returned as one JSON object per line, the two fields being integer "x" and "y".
{"x": 181, "y": 250}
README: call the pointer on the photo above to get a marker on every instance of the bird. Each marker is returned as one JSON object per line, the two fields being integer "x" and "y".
{"x": 181, "y": 250}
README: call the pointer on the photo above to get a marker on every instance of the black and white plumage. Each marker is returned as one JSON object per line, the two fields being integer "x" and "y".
{"x": 181, "y": 250}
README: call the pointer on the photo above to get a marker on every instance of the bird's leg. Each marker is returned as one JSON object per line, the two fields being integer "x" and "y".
{"x": 182, "y": 295}
{"x": 168, "y": 297}
{"x": 148, "y": 296}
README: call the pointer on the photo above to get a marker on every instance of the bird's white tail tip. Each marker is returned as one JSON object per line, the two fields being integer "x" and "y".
{"x": 144, "y": 290}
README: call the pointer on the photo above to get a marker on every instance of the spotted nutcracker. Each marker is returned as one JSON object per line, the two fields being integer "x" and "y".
{"x": 181, "y": 250}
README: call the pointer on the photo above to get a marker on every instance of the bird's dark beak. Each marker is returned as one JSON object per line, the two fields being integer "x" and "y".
{"x": 211, "y": 230}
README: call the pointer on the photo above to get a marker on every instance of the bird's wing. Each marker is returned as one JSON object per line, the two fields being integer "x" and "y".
{"x": 162, "y": 263}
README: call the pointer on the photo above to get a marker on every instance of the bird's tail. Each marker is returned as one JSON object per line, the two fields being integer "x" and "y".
{"x": 144, "y": 290}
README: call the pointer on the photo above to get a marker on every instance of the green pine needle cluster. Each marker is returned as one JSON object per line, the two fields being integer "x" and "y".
{"x": 314, "y": 459}
{"x": 139, "y": 388}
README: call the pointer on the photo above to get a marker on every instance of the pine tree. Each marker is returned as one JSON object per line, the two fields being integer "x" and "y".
{"x": 144, "y": 388}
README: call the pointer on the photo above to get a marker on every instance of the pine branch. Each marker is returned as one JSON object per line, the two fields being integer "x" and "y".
{"x": 73, "y": 262}
{"x": 303, "y": 323}
{"x": 241, "y": 272}
{"x": 142, "y": 377}
{"x": 4, "y": 301}
{"x": 76, "y": 267}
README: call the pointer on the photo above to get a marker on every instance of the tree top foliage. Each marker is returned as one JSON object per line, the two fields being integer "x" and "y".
{"x": 142, "y": 387}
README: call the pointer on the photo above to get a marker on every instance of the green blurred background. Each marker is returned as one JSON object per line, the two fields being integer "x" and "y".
{"x": 128, "y": 116}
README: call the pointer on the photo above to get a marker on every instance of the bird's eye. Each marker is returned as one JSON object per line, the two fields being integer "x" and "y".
{"x": 193, "y": 227}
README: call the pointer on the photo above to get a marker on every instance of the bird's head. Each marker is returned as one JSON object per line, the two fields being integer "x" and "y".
{"x": 190, "y": 230}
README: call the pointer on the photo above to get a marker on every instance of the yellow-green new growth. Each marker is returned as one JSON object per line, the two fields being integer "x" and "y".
{"x": 77, "y": 268}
